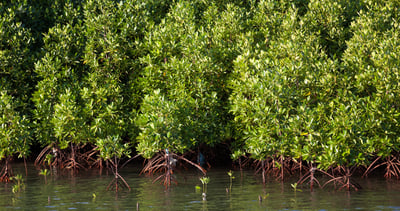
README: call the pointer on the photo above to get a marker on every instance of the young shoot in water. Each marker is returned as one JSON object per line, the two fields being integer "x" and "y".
{"x": 231, "y": 178}
{"x": 205, "y": 181}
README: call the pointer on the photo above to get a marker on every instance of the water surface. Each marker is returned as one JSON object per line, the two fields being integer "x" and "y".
{"x": 87, "y": 191}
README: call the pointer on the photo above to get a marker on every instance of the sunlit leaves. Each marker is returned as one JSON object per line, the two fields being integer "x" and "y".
{"x": 311, "y": 80}
{"x": 297, "y": 97}
{"x": 15, "y": 129}
{"x": 16, "y": 59}
{"x": 56, "y": 96}
{"x": 186, "y": 67}
{"x": 372, "y": 64}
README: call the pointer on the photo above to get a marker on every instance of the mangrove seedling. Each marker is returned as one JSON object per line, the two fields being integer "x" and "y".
{"x": 19, "y": 183}
{"x": 197, "y": 188}
{"x": 261, "y": 197}
{"x": 111, "y": 150}
{"x": 205, "y": 181}
{"x": 294, "y": 186}
{"x": 94, "y": 197}
{"x": 44, "y": 172}
{"x": 204, "y": 195}
{"x": 231, "y": 178}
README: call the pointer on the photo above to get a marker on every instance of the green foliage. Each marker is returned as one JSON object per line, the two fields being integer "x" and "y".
{"x": 39, "y": 16}
{"x": 329, "y": 20}
{"x": 15, "y": 57}
{"x": 273, "y": 92}
{"x": 297, "y": 98}
{"x": 56, "y": 95}
{"x": 15, "y": 129}
{"x": 112, "y": 146}
{"x": 110, "y": 93}
{"x": 66, "y": 120}
{"x": 303, "y": 79}
{"x": 87, "y": 92}
{"x": 187, "y": 108}
{"x": 372, "y": 64}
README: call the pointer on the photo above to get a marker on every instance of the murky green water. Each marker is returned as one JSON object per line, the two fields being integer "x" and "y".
{"x": 87, "y": 191}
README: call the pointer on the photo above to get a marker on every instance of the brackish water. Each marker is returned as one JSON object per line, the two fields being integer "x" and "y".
{"x": 87, "y": 191}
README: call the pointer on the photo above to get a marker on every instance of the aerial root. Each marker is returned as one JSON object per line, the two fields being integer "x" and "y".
{"x": 392, "y": 167}
{"x": 278, "y": 167}
{"x": 48, "y": 152}
{"x": 118, "y": 180}
{"x": 282, "y": 167}
{"x": 245, "y": 162}
{"x": 6, "y": 172}
{"x": 373, "y": 166}
{"x": 154, "y": 165}
{"x": 310, "y": 175}
{"x": 164, "y": 163}
{"x": 345, "y": 179}
{"x": 69, "y": 158}
{"x": 392, "y": 164}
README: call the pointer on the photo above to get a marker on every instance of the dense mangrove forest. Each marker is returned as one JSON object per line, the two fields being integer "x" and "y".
{"x": 309, "y": 88}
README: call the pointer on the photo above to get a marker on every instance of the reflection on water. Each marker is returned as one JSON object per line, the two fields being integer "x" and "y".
{"x": 87, "y": 190}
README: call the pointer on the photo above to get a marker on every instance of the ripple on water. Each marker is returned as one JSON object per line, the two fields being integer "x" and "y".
{"x": 88, "y": 191}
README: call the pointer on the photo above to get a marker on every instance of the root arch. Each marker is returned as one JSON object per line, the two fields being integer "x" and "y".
{"x": 164, "y": 163}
